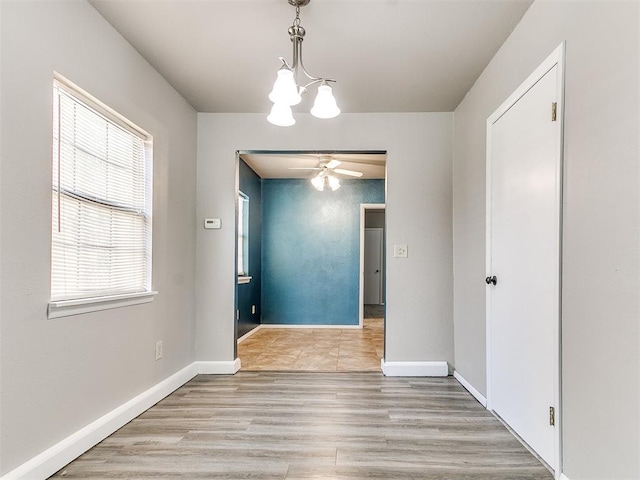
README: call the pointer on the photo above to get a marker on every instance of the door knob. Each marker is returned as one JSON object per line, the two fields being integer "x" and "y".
{"x": 493, "y": 280}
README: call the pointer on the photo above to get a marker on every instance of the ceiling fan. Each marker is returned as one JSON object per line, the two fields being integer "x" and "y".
{"x": 328, "y": 164}
{"x": 327, "y": 167}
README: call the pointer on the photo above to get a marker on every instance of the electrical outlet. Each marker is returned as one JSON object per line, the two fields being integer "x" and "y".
{"x": 159, "y": 350}
{"x": 253, "y": 309}
{"x": 400, "y": 251}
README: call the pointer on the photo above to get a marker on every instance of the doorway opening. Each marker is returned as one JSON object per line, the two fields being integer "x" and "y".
{"x": 299, "y": 302}
{"x": 372, "y": 261}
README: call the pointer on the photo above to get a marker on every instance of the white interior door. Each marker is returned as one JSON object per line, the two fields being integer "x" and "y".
{"x": 373, "y": 266}
{"x": 524, "y": 174}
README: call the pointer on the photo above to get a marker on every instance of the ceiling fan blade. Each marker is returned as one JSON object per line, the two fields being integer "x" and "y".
{"x": 348, "y": 172}
{"x": 333, "y": 164}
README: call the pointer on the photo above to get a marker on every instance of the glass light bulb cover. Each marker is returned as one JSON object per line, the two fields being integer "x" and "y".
{"x": 281, "y": 115}
{"x": 325, "y": 104}
{"x": 285, "y": 90}
{"x": 318, "y": 183}
{"x": 334, "y": 183}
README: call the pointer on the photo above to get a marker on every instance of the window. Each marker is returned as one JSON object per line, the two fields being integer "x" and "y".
{"x": 101, "y": 205}
{"x": 243, "y": 234}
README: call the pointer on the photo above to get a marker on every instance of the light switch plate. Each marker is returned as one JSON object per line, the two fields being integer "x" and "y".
{"x": 400, "y": 251}
{"x": 212, "y": 223}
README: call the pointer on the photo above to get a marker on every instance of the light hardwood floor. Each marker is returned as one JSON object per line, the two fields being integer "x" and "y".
{"x": 302, "y": 426}
{"x": 314, "y": 350}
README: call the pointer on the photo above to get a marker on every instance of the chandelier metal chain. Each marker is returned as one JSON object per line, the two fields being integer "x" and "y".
{"x": 296, "y": 22}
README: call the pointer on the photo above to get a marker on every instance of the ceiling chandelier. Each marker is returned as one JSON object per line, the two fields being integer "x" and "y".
{"x": 287, "y": 92}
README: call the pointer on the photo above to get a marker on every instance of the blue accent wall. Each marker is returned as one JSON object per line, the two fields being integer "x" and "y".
{"x": 250, "y": 293}
{"x": 310, "y": 250}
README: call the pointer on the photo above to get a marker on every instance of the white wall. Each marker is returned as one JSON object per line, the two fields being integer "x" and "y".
{"x": 601, "y": 361}
{"x": 59, "y": 375}
{"x": 419, "y": 288}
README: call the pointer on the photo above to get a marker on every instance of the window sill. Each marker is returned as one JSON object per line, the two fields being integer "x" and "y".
{"x": 66, "y": 308}
{"x": 243, "y": 280}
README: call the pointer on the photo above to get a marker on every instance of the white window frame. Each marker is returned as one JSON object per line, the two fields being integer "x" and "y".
{"x": 243, "y": 235}
{"x": 73, "y": 304}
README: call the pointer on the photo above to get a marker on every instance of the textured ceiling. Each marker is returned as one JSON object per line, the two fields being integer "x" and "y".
{"x": 387, "y": 55}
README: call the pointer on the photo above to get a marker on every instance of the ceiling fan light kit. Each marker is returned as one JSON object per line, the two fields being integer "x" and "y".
{"x": 286, "y": 90}
{"x": 326, "y": 177}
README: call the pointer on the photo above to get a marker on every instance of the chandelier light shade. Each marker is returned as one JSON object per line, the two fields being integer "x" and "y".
{"x": 285, "y": 91}
{"x": 288, "y": 92}
{"x": 325, "y": 105}
{"x": 281, "y": 115}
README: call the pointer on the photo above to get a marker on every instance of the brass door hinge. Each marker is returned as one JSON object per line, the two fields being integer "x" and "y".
{"x": 552, "y": 416}
{"x": 554, "y": 111}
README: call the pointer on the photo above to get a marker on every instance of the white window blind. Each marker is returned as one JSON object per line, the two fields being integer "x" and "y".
{"x": 101, "y": 202}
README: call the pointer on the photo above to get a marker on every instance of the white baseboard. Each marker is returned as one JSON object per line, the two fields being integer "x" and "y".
{"x": 217, "y": 368}
{"x": 276, "y": 325}
{"x": 249, "y": 333}
{"x": 283, "y": 325}
{"x": 414, "y": 369}
{"x": 54, "y": 458}
{"x": 563, "y": 477}
{"x": 476, "y": 394}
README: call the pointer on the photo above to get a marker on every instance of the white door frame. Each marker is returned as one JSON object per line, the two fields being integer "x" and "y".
{"x": 556, "y": 58}
{"x": 363, "y": 208}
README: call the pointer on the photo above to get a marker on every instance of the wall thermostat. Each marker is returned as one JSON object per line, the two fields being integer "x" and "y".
{"x": 212, "y": 223}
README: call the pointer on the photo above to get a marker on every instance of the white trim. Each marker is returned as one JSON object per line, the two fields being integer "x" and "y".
{"x": 287, "y": 325}
{"x": 57, "y": 456}
{"x": 249, "y": 333}
{"x": 217, "y": 367}
{"x": 275, "y": 325}
{"x": 363, "y": 208}
{"x": 242, "y": 279}
{"x": 65, "y": 308}
{"x": 54, "y": 458}
{"x": 563, "y": 477}
{"x": 69, "y": 87}
{"x": 476, "y": 394}
{"x": 523, "y": 443}
{"x": 557, "y": 57}
{"x": 414, "y": 369}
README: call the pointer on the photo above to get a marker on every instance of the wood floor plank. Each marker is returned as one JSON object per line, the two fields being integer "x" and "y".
{"x": 303, "y": 426}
